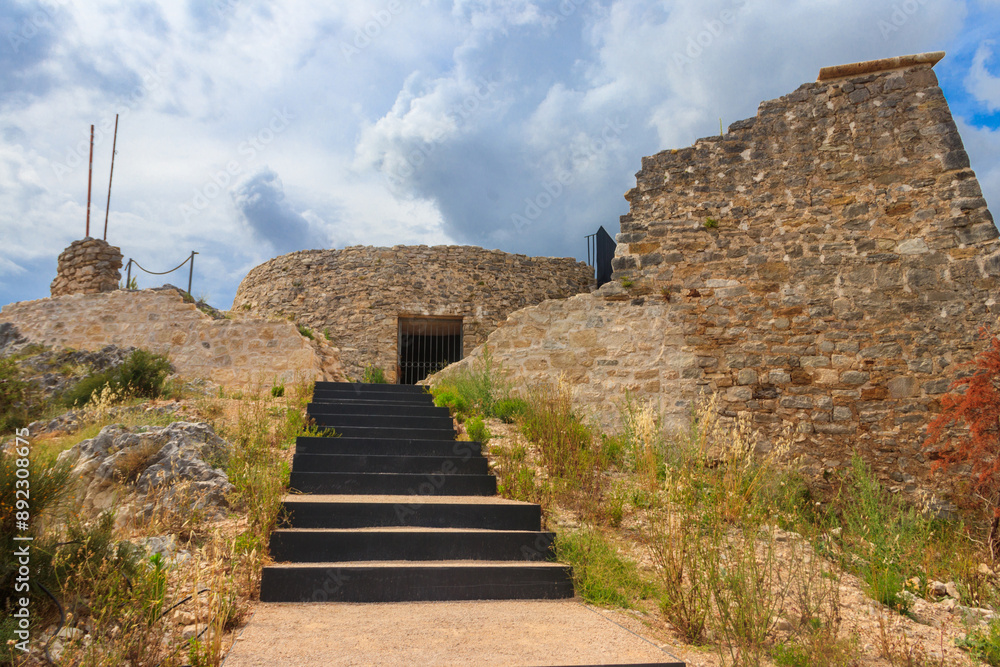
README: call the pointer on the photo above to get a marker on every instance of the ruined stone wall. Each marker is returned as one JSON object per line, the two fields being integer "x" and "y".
{"x": 228, "y": 352}
{"x": 825, "y": 265}
{"x": 355, "y": 295}
{"x": 87, "y": 266}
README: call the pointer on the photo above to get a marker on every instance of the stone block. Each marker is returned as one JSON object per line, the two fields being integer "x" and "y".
{"x": 854, "y": 377}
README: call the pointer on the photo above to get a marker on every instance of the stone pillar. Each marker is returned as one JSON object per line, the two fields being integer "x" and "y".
{"x": 88, "y": 266}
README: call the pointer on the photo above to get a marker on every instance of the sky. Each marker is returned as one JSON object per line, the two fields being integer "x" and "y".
{"x": 253, "y": 128}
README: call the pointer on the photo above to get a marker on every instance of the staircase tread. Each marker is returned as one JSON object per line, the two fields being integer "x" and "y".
{"x": 405, "y": 529}
{"x": 421, "y": 564}
{"x": 349, "y": 499}
{"x": 395, "y": 474}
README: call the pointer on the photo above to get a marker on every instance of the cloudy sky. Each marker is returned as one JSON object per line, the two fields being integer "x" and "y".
{"x": 252, "y": 128}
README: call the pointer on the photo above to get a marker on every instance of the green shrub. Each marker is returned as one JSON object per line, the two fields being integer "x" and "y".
{"x": 142, "y": 374}
{"x": 14, "y": 411}
{"x": 451, "y": 399}
{"x": 477, "y": 430}
{"x": 509, "y": 409}
{"x": 278, "y": 390}
{"x": 567, "y": 446}
{"x": 374, "y": 375}
{"x": 306, "y": 331}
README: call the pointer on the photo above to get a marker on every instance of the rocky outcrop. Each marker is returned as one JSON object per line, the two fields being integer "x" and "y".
{"x": 148, "y": 469}
{"x": 354, "y": 295}
{"x": 250, "y": 351}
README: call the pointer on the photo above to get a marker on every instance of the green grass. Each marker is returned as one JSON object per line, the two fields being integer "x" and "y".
{"x": 477, "y": 390}
{"x": 886, "y": 536}
{"x": 374, "y": 375}
{"x": 600, "y": 574}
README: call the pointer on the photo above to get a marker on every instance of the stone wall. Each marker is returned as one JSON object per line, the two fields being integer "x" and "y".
{"x": 87, "y": 266}
{"x": 356, "y": 294}
{"x": 228, "y": 352}
{"x": 826, "y": 265}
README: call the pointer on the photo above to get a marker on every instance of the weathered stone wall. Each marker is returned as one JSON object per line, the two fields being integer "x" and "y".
{"x": 356, "y": 294}
{"x": 825, "y": 265}
{"x": 229, "y": 352}
{"x": 87, "y": 266}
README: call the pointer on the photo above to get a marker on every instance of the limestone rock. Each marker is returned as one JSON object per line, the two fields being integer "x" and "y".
{"x": 170, "y": 467}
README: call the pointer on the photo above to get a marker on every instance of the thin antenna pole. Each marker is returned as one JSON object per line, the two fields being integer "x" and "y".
{"x": 90, "y": 176}
{"x": 108, "y": 209}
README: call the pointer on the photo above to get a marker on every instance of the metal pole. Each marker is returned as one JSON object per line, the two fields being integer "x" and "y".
{"x": 113, "y": 144}
{"x": 90, "y": 176}
{"x": 191, "y": 273}
{"x": 128, "y": 274}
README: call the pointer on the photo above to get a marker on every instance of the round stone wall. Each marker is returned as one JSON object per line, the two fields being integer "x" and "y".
{"x": 355, "y": 296}
{"x": 87, "y": 266}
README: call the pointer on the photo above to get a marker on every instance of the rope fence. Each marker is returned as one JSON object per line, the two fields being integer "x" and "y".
{"x": 128, "y": 279}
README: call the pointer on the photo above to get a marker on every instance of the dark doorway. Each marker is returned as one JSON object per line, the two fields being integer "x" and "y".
{"x": 600, "y": 252}
{"x": 426, "y": 345}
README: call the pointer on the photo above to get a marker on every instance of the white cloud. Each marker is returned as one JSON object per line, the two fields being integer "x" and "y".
{"x": 474, "y": 108}
{"x": 983, "y": 85}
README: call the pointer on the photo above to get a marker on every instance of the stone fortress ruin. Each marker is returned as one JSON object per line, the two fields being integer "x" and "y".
{"x": 825, "y": 266}
{"x": 408, "y": 310}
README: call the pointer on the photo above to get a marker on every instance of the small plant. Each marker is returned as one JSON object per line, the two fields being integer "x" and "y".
{"x": 373, "y": 375}
{"x": 306, "y": 331}
{"x": 982, "y": 644}
{"x": 627, "y": 283}
{"x": 326, "y": 334}
{"x": 246, "y": 306}
{"x": 477, "y": 430}
{"x": 711, "y": 223}
{"x": 665, "y": 293}
{"x": 278, "y": 390}
{"x": 130, "y": 284}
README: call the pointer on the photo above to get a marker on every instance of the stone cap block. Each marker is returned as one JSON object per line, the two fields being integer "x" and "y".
{"x": 881, "y": 65}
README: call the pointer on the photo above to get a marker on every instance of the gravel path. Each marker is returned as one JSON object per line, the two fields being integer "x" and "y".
{"x": 507, "y": 633}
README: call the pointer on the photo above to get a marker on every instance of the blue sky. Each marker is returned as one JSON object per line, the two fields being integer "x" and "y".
{"x": 252, "y": 128}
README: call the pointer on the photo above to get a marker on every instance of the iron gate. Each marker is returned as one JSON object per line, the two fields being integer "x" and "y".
{"x": 425, "y": 345}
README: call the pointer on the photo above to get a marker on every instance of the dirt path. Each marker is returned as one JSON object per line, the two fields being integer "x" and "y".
{"x": 508, "y": 633}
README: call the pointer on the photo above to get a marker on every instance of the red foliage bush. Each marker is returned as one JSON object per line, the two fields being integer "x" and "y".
{"x": 969, "y": 427}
